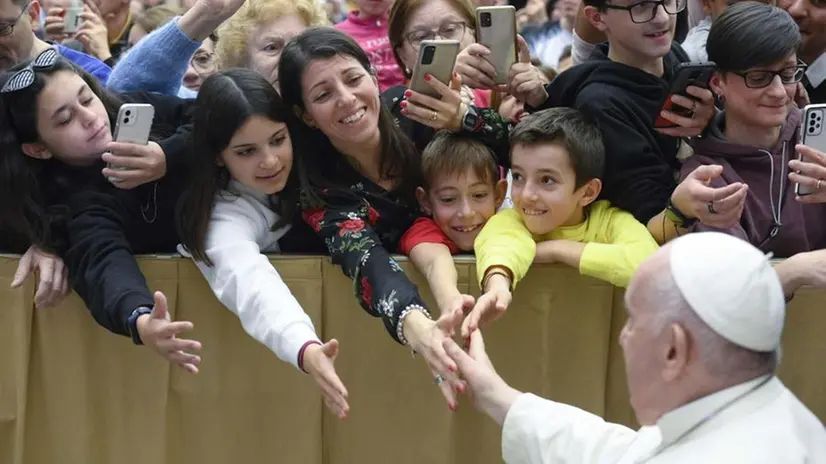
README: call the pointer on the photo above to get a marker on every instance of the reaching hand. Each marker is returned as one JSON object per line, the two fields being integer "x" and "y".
{"x": 131, "y": 165}
{"x": 488, "y": 392}
{"x": 53, "y": 286}
{"x": 702, "y": 106}
{"x": 490, "y": 306}
{"x": 715, "y": 207}
{"x": 159, "y": 333}
{"x": 810, "y": 171}
{"x": 425, "y": 337}
{"x": 525, "y": 81}
{"x": 318, "y": 362}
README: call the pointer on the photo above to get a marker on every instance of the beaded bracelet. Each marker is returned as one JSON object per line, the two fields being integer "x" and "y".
{"x": 400, "y": 325}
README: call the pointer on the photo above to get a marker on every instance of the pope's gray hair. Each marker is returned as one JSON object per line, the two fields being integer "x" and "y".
{"x": 720, "y": 357}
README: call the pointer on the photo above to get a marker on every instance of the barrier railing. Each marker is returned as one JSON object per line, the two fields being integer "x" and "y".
{"x": 70, "y": 392}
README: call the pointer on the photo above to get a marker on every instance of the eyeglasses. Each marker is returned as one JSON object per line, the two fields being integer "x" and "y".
{"x": 25, "y": 77}
{"x": 454, "y": 30}
{"x": 8, "y": 28}
{"x": 760, "y": 78}
{"x": 643, "y": 12}
{"x": 203, "y": 63}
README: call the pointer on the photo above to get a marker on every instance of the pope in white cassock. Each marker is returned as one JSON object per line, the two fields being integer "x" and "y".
{"x": 701, "y": 345}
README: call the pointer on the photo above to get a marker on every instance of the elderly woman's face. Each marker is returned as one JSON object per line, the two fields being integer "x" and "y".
{"x": 268, "y": 41}
{"x": 433, "y": 17}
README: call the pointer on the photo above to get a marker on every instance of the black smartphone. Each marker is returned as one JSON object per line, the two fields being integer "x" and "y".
{"x": 696, "y": 74}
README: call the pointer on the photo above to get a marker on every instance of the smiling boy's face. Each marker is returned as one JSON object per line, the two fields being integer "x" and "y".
{"x": 461, "y": 204}
{"x": 544, "y": 189}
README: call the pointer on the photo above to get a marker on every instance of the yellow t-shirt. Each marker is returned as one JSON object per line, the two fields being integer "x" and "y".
{"x": 616, "y": 244}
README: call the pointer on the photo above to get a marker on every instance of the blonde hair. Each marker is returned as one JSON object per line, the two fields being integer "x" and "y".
{"x": 231, "y": 50}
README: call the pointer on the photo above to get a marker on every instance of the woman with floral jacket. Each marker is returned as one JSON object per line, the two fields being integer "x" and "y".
{"x": 358, "y": 172}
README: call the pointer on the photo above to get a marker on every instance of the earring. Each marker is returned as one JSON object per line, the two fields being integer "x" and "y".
{"x": 407, "y": 71}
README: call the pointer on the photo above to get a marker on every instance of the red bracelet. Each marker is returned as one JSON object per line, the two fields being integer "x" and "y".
{"x": 301, "y": 353}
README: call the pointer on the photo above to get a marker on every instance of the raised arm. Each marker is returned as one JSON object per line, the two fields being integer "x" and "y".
{"x": 159, "y": 61}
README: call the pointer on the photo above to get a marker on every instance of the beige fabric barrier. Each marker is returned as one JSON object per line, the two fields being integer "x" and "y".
{"x": 70, "y": 392}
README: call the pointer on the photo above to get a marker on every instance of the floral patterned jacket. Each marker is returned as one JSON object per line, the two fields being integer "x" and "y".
{"x": 490, "y": 129}
{"x": 359, "y": 226}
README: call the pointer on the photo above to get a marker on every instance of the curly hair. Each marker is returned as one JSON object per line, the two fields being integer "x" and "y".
{"x": 231, "y": 50}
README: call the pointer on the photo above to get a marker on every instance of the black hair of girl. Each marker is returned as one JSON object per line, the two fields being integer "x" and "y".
{"x": 751, "y": 34}
{"x": 23, "y": 205}
{"x": 225, "y": 102}
{"x": 399, "y": 160}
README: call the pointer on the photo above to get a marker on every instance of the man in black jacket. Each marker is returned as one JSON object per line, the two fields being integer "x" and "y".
{"x": 623, "y": 88}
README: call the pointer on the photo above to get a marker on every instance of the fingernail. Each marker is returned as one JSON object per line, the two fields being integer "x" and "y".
{"x": 403, "y": 104}
{"x": 427, "y": 77}
{"x": 408, "y": 93}
{"x": 452, "y": 407}
{"x": 460, "y": 388}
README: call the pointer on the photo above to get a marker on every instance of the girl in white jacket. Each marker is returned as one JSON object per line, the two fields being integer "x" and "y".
{"x": 238, "y": 206}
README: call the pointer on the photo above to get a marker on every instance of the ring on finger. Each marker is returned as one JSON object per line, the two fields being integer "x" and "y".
{"x": 439, "y": 380}
{"x": 711, "y": 208}
{"x": 819, "y": 181}
{"x": 434, "y": 116}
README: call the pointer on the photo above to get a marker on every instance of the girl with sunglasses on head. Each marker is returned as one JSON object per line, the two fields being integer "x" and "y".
{"x": 55, "y": 138}
{"x": 358, "y": 175}
{"x": 238, "y": 205}
{"x": 750, "y": 149}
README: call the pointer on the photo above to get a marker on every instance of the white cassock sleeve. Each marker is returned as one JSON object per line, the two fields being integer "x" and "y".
{"x": 539, "y": 431}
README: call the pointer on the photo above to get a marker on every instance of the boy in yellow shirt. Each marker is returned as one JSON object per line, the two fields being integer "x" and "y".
{"x": 557, "y": 161}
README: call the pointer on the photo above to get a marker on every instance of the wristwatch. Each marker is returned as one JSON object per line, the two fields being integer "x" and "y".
{"x": 471, "y": 119}
{"x": 132, "y": 323}
{"x": 677, "y": 217}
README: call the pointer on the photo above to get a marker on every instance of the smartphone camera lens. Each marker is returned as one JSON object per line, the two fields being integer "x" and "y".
{"x": 126, "y": 120}
{"x": 128, "y": 112}
{"x": 485, "y": 19}
{"x": 427, "y": 56}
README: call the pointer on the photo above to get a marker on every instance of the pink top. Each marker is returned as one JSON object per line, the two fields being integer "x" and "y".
{"x": 371, "y": 34}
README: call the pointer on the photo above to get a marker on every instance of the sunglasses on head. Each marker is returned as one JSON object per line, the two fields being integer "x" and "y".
{"x": 25, "y": 77}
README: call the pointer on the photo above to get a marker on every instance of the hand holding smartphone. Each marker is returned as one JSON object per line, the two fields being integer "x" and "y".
{"x": 688, "y": 74}
{"x": 496, "y": 30}
{"x": 812, "y": 136}
{"x": 72, "y": 19}
{"x": 437, "y": 58}
{"x": 133, "y": 125}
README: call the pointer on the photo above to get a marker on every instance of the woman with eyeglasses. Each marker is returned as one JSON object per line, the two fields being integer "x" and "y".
{"x": 753, "y": 142}
{"x": 460, "y": 107}
{"x": 56, "y": 138}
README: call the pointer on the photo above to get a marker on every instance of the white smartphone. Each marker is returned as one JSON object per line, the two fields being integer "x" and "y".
{"x": 812, "y": 136}
{"x": 437, "y": 58}
{"x": 496, "y": 30}
{"x": 134, "y": 123}
{"x": 72, "y": 19}
{"x": 133, "y": 126}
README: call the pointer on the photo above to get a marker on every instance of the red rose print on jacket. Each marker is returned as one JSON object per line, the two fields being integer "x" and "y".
{"x": 366, "y": 292}
{"x": 372, "y": 216}
{"x": 350, "y": 226}
{"x": 314, "y": 218}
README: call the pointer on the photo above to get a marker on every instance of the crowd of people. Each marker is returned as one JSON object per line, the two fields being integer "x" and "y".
{"x": 286, "y": 126}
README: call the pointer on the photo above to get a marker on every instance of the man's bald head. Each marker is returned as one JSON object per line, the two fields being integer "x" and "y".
{"x": 654, "y": 289}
